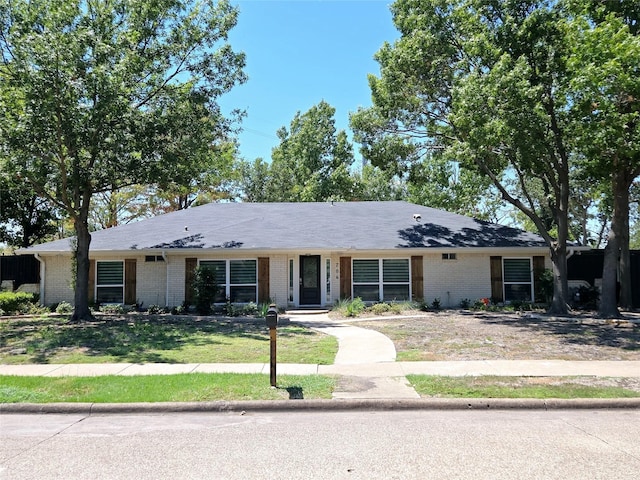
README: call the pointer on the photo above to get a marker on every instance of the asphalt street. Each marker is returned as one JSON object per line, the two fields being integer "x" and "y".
{"x": 429, "y": 444}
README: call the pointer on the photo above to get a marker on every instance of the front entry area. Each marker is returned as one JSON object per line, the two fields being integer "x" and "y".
{"x": 310, "y": 293}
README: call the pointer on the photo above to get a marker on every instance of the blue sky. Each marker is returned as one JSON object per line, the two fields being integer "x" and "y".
{"x": 300, "y": 52}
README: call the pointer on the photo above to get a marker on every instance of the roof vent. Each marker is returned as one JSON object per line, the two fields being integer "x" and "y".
{"x": 186, "y": 229}
{"x": 417, "y": 217}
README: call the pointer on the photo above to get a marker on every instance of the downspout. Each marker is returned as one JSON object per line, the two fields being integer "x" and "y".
{"x": 42, "y": 276}
{"x": 166, "y": 269}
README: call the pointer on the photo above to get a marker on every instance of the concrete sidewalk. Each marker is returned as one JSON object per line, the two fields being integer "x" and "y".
{"x": 517, "y": 368}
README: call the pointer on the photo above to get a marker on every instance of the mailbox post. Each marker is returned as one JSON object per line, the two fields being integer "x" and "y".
{"x": 272, "y": 323}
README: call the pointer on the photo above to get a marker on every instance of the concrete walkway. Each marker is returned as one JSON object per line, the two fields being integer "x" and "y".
{"x": 360, "y": 362}
{"x": 365, "y": 365}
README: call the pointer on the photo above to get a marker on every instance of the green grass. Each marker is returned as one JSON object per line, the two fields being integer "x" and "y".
{"x": 192, "y": 387}
{"x": 515, "y": 387}
{"x": 145, "y": 339}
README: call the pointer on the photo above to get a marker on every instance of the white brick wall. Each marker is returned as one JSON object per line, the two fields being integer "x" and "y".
{"x": 449, "y": 280}
{"x": 469, "y": 276}
{"x": 57, "y": 279}
{"x": 151, "y": 282}
{"x": 279, "y": 279}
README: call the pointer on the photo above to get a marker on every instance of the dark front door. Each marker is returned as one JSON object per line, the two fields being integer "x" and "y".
{"x": 310, "y": 280}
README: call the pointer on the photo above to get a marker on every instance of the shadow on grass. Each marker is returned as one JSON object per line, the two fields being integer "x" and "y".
{"x": 295, "y": 393}
{"x": 574, "y": 330}
{"x": 127, "y": 339}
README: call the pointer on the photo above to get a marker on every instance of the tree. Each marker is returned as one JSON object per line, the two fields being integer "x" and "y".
{"x": 119, "y": 206}
{"x": 605, "y": 64}
{"x": 312, "y": 161}
{"x": 482, "y": 82}
{"x": 25, "y": 217}
{"x": 110, "y": 93}
{"x": 375, "y": 184}
{"x": 255, "y": 181}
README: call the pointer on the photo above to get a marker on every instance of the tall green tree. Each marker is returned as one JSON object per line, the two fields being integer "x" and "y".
{"x": 482, "y": 82}
{"x": 312, "y": 161}
{"x": 605, "y": 63}
{"x": 255, "y": 181}
{"x": 104, "y": 93}
{"x": 25, "y": 217}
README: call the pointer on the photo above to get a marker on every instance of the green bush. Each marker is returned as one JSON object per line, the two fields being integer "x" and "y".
{"x": 114, "y": 309}
{"x": 204, "y": 289}
{"x": 12, "y": 303}
{"x": 64, "y": 308}
{"x": 355, "y": 307}
{"x": 435, "y": 305}
{"x": 379, "y": 308}
{"x": 250, "y": 309}
{"x": 465, "y": 303}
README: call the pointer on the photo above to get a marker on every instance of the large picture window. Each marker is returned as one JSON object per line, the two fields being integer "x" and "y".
{"x": 237, "y": 280}
{"x": 110, "y": 282}
{"x": 518, "y": 279}
{"x": 381, "y": 280}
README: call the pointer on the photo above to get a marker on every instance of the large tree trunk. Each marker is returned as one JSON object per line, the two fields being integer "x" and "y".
{"x": 608, "y": 299}
{"x": 626, "y": 293}
{"x": 559, "y": 304}
{"x": 81, "y": 311}
{"x": 615, "y": 241}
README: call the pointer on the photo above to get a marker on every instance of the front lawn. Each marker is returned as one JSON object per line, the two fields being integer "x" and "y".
{"x": 161, "y": 339}
{"x": 191, "y": 387}
{"x": 524, "y": 387}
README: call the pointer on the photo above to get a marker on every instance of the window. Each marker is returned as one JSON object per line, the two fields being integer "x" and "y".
{"x": 291, "y": 279}
{"x": 448, "y": 256}
{"x": 328, "y": 275}
{"x": 154, "y": 258}
{"x": 237, "y": 280}
{"x": 110, "y": 282}
{"x": 381, "y": 279}
{"x": 518, "y": 281}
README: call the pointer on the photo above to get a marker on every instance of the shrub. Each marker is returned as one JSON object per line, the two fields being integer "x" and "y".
{"x": 355, "y": 307}
{"x": 250, "y": 309}
{"x": 379, "y": 308}
{"x": 156, "y": 309}
{"x": 435, "y": 305}
{"x": 12, "y": 303}
{"x": 114, "y": 309}
{"x": 64, "y": 308}
{"x": 230, "y": 310}
{"x": 204, "y": 289}
{"x": 465, "y": 303}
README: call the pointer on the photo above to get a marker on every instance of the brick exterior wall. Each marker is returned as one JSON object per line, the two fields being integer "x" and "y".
{"x": 468, "y": 276}
{"x": 57, "y": 280}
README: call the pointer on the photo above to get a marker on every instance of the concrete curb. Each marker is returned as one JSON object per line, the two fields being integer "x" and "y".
{"x": 242, "y": 407}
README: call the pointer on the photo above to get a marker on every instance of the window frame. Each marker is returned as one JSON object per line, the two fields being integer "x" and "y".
{"x": 227, "y": 286}
{"x": 505, "y": 282}
{"x": 98, "y": 285}
{"x": 381, "y": 283}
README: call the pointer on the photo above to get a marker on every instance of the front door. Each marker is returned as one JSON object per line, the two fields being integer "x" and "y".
{"x": 310, "y": 280}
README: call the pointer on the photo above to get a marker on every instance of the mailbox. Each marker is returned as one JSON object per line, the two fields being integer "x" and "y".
{"x": 272, "y": 316}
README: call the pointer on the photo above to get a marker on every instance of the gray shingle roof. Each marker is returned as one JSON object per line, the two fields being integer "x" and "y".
{"x": 296, "y": 226}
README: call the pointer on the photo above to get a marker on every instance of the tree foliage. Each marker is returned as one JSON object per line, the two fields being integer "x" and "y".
{"x": 605, "y": 97}
{"x": 311, "y": 163}
{"x": 99, "y": 95}
{"x": 25, "y": 217}
{"x": 483, "y": 83}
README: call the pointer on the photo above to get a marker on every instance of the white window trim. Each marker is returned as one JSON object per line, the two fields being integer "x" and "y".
{"x": 110, "y": 285}
{"x": 227, "y": 273}
{"x": 381, "y": 282}
{"x": 505, "y": 283}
